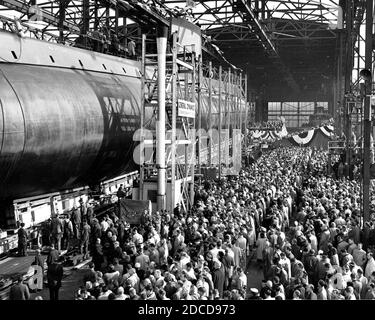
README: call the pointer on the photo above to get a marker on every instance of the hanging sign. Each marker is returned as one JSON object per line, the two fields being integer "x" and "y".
{"x": 186, "y": 109}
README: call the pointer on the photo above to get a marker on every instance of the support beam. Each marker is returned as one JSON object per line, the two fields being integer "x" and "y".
{"x": 255, "y": 26}
{"x": 161, "y": 42}
{"x": 116, "y": 19}
{"x": 350, "y": 41}
{"x": 367, "y": 120}
{"x": 220, "y": 116}
{"x": 62, "y": 8}
{"x": 240, "y": 105}
{"x": 85, "y": 20}
{"x": 174, "y": 118}
{"x": 228, "y": 107}
{"x": 125, "y": 31}
{"x": 107, "y": 19}
{"x": 143, "y": 111}
{"x": 193, "y": 132}
{"x": 96, "y": 18}
{"x": 247, "y": 106}
{"x": 24, "y": 7}
{"x": 209, "y": 113}
{"x": 200, "y": 85}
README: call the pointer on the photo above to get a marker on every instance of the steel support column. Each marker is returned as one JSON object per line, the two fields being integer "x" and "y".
{"x": 62, "y": 7}
{"x": 193, "y": 133}
{"x": 209, "y": 135}
{"x": 228, "y": 111}
{"x": 247, "y": 106}
{"x": 85, "y": 20}
{"x": 348, "y": 76}
{"x": 367, "y": 106}
{"x": 161, "y": 42}
{"x": 96, "y": 18}
{"x": 143, "y": 111}
{"x": 174, "y": 119}
{"x": 200, "y": 85}
{"x": 220, "y": 115}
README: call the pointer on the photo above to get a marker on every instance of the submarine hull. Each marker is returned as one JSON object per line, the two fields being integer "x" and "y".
{"x": 62, "y": 128}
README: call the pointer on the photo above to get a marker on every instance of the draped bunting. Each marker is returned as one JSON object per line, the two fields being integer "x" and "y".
{"x": 303, "y": 138}
{"x": 327, "y": 130}
{"x": 269, "y": 135}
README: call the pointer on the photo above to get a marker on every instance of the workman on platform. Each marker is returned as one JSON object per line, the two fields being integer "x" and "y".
{"x": 22, "y": 241}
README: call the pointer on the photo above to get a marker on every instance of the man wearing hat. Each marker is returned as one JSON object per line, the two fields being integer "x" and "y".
{"x": 53, "y": 255}
{"x": 57, "y": 231}
{"x": 55, "y": 274}
{"x": 310, "y": 264}
{"x": 38, "y": 260}
{"x": 22, "y": 240}
{"x": 324, "y": 239}
{"x": 254, "y": 294}
{"x": 218, "y": 276}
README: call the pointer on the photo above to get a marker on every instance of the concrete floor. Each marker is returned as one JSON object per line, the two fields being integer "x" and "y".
{"x": 70, "y": 284}
{"x": 14, "y": 265}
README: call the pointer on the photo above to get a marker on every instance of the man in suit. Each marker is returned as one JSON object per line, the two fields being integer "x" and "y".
{"x": 53, "y": 255}
{"x": 22, "y": 241}
{"x": 56, "y": 231}
{"x": 19, "y": 291}
{"x": 55, "y": 274}
{"x": 76, "y": 220}
{"x": 85, "y": 239}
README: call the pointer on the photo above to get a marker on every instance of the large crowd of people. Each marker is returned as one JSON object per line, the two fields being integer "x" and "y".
{"x": 303, "y": 227}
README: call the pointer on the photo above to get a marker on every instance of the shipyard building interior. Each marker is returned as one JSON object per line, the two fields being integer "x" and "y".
{"x": 186, "y": 150}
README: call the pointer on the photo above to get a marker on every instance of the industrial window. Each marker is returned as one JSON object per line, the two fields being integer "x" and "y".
{"x": 296, "y": 114}
{"x": 53, "y": 60}
{"x": 80, "y": 62}
{"x": 105, "y": 68}
{"x": 274, "y": 107}
{"x": 14, "y": 55}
